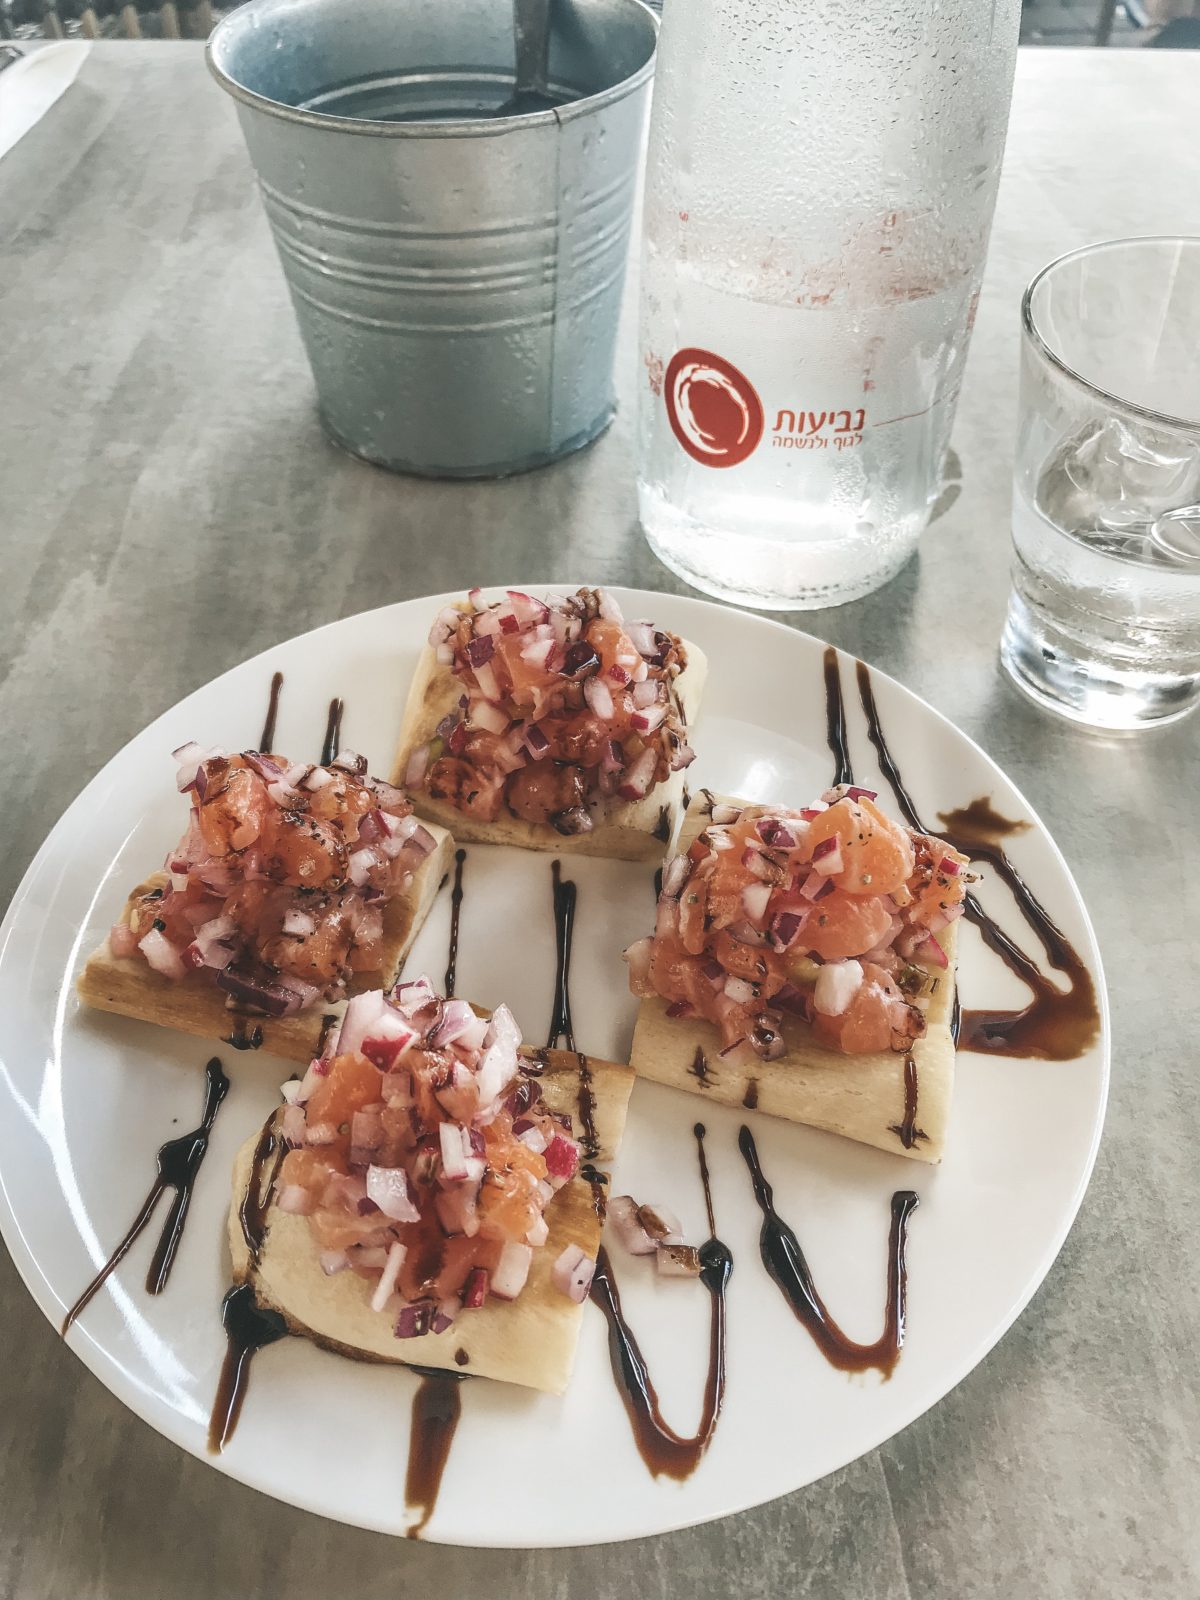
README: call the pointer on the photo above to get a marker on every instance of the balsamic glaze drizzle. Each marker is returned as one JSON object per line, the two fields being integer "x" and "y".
{"x": 907, "y": 1131}
{"x": 436, "y": 1409}
{"x": 1057, "y": 1024}
{"x": 179, "y": 1162}
{"x": 333, "y": 732}
{"x": 267, "y": 738}
{"x": 456, "y": 900}
{"x": 561, "y": 1030}
{"x": 835, "y": 718}
{"x": 240, "y": 1039}
{"x": 750, "y": 1098}
{"x": 248, "y": 1328}
{"x": 256, "y": 1202}
{"x": 784, "y": 1261}
{"x": 665, "y": 1452}
{"x": 699, "y": 1067}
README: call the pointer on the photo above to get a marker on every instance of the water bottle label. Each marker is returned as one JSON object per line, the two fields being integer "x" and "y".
{"x": 718, "y": 416}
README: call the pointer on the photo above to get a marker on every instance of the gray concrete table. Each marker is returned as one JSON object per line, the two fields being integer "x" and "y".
{"x": 169, "y": 506}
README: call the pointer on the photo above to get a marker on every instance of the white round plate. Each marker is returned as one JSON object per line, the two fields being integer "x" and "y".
{"x": 86, "y": 1099}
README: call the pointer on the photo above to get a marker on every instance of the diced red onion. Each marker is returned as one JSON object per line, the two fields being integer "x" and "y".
{"x": 949, "y": 866}
{"x": 535, "y": 741}
{"x": 483, "y": 714}
{"x": 122, "y": 940}
{"x": 533, "y": 1139}
{"x": 299, "y": 923}
{"x": 528, "y": 611}
{"x": 538, "y": 1234}
{"x": 678, "y": 1261}
{"x": 739, "y": 991}
{"x": 572, "y": 1273}
{"x": 596, "y": 693}
{"x": 662, "y": 1225}
{"x": 936, "y": 952}
{"x": 622, "y": 1215}
{"x": 639, "y": 779}
{"x": 785, "y": 929}
{"x": 837, "y": 984}
{"x": 387, "y": 1282}
{"x": 475, "y": 1291}
{"x": 777, "y": 835}
{"x": 675, "y": 876}
{"x": 827, "y": 858}
{"x": 511, "y": 1271}
{"x": 414, "y": 1320}
{"x": 161, "y": 954}
{"x": 443, "y": 1316}
{"x": 457, "y": 1206}
{"x": 755, "y": 899}
{"x": 333, "y": 1261}
{"x": 641, "y": 637}
{"x": 388, "y": 1187}
{"x": 481, "y": 649}
{"x": 650, "y": 719}
{"x": 454, "y": 1154}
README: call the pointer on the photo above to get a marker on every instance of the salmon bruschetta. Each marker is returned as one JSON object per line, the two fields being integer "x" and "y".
{"x": 425, "y": 1194}
{"x": 804, "y": 962}
{"x": 294, "y": 885}
{"x": 551, "y": 724}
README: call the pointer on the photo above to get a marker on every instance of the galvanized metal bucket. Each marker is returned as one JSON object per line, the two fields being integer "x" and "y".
{"x": 457, "y": 280}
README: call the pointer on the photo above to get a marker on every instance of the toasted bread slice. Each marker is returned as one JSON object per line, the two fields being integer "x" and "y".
{"x": 634, "y": 830}
{"x": 130, "y": 987}
{"x": 529, "y": 1341}
{"x": 874, "y": 1099}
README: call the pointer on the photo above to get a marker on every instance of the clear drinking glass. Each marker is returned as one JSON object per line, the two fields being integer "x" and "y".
{"x": 1104, "y": 618}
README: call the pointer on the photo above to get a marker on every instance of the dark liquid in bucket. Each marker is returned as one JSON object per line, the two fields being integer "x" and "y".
{"x": 437, "y": 95}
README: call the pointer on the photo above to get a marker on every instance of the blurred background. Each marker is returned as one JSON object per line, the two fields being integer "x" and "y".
{"x": 1158, "y": 23}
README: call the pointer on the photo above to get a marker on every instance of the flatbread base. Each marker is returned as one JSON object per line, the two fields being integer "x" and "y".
{"x": 861, "y": 1097}
{"x": 529, "y": 1341}
{"x": 130, "y": 987}
{"x": 635, "y": 830}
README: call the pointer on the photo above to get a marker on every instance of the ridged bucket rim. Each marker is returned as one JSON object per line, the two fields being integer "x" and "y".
{"x": 459, "y": 128}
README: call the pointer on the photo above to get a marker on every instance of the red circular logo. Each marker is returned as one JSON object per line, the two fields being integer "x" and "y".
{"x": 714, "y": 409}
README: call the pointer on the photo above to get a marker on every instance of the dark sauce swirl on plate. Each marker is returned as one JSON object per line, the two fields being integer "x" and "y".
{"x": 179, "y": 1161}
